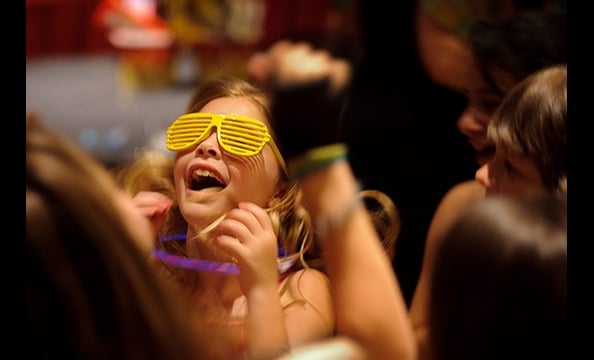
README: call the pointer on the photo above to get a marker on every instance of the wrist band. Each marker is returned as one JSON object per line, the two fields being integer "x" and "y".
{"x": 316, "y": 159}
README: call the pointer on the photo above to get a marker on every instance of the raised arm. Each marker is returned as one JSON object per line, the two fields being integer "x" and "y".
{"x": 309, "y": 86}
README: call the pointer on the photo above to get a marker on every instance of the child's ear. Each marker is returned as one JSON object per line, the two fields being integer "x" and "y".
{"x": 277, "y": 196}
{"x": 273, "y": 212}
{"x": 275, "y": 199}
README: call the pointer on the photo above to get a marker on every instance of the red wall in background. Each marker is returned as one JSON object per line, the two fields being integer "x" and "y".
{"x": 59, "y": 27}
{"x": 290, "y": 17}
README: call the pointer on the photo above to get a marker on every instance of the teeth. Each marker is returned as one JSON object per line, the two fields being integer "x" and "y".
{"x": 203, "y": 172}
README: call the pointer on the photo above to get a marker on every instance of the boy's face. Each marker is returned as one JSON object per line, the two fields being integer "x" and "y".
{"x": 510, "y": 174}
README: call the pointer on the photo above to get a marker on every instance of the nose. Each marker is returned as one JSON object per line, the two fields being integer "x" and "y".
{"x": 469, "y": 124}
{"x": 483, "y": 177}
{"x": 209, "y": 147}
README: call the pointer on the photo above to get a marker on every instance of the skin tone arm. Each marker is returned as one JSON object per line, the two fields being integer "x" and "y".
{"x": 367, "y": 299}
{"x": 368, "y": 303}
{"x": 458, "y": 198}
{"x": 250, "y": 237}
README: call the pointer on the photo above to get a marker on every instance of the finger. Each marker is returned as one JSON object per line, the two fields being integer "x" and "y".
{"x": 240, "y": 224}
{"x": 263, "y": 66}
{"x": 282, "y": 47}
{"x": 152, "y": 203}
{"x": 231, "y": 246}
{"x": 151, "y": 197}
{"x": 259, "y": 67}
{"x": 301, "y": 66}
{"x": 258, "y": 213}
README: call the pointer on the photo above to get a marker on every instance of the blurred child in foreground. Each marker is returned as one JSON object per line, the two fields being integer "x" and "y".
{"x": 90, "y": 292}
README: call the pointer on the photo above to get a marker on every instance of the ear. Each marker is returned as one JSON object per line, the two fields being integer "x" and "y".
{"x": 273, "y": 201}
{"x": 277, "y": 197}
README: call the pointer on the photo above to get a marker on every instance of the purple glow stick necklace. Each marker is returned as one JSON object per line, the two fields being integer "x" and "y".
{"x": 184, "y": 262}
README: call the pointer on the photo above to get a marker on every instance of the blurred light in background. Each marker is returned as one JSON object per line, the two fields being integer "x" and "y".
{"x": 113, "y": 74}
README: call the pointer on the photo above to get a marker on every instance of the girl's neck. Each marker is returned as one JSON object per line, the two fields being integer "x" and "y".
{"x": 219, "y": 290}
{"x": 223, "y": 288}
{"x": 202, "y": 245}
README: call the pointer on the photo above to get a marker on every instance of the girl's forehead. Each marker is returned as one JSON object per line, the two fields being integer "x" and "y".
{"x": 243, "y": 106}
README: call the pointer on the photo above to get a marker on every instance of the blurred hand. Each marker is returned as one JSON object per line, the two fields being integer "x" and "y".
{"x": 308, "y": 88}
{"x": 288, "y": 64}
{"x": 154, "y": 206}
{"x": 248, "y": 235}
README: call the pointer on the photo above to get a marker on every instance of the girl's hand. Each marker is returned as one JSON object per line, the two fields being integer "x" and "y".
{"x": 248, "y": 235}
{"x": 154, "y": 206}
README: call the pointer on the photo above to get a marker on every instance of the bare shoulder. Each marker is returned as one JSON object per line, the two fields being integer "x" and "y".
{"x": 309, "y": 284}
{"x": 464, "y": 193}
{"x": 453, "y": 204}
{"x": 307, "y": 279}
{"x": 306, "y": 298}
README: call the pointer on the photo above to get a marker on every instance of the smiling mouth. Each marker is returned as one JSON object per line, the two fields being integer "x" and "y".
{"x": 202, "y": 179}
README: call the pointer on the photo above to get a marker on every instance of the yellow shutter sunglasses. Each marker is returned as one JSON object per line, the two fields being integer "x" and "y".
{"x": 238, "y": 135}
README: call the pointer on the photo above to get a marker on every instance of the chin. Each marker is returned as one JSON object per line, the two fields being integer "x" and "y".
{"x": 195, "y": 213}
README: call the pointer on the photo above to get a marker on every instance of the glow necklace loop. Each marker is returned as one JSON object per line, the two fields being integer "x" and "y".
{"x": 184, "y": 262}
